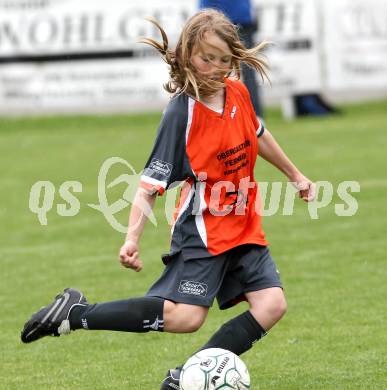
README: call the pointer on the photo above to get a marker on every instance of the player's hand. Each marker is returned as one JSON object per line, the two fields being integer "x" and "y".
{"x": 306, "y": 188}
{"x": 129, "y": 256}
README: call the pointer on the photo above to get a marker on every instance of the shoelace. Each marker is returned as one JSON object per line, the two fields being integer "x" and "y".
{"x": 64, "y": 327}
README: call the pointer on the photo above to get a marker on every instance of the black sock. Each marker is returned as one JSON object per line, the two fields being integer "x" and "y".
{"x": 237, "y": 335}
{"x": 130, "y": 315}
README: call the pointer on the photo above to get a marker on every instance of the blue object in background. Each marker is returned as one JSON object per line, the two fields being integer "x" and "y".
{"x": 239, "y": 11}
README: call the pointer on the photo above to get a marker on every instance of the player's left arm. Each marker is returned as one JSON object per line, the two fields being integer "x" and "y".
{"x": 270, "y": 150}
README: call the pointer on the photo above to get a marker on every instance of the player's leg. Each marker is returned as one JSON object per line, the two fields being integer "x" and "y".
{"x": 237, "y": 335}
{"x": 185, "y": 286}
{"x": 140, "y": 315}
{"x": 252, "y": 276}
{"x": 267, "y": 306}
{"x": 183, "y": 318}
{"x": 177, "y": 302}
{"x": 70, "y": 311}
{"x": 190, "y": 287}
{"x": 194, "y": 283}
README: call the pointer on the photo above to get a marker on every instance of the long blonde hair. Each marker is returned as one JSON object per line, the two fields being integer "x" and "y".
{"x": 182, "y": 75}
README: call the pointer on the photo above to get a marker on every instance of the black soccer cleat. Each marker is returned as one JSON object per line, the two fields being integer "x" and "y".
{"x": 53, "y": 319}
{"x": 172, "y": 379}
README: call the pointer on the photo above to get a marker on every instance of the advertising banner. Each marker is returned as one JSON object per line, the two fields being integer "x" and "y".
{"x": 83, "y": 86}
{"x": 292, "y": 26}
{"x": 355, "y": 37}
{"x": 66, "y": 55}
{"x": 71, "y": 26}
{"x": 72, "y": 56}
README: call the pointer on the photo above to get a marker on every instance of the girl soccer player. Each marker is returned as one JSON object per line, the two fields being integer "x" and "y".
{"x": 209, "y": 138}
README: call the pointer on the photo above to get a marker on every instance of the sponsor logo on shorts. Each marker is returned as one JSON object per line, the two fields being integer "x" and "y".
{"x": 161, "y": 167}
{"x": 193, "y": 288}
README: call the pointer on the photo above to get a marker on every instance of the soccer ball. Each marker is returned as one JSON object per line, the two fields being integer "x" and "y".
{"x": 212, "y": 369}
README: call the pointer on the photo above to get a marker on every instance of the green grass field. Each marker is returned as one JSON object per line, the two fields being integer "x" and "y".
{"x": 333, "y": 268}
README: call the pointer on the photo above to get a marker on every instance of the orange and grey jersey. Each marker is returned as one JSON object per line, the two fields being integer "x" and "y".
{"x": 214, "y": 155}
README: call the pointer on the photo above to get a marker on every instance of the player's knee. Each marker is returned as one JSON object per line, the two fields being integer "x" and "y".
{"x": 193, "y": 317}
{"x": 182, "y": 318}
{"x": 279, "y": 307}
{"x": 277, "y": 304}
{"x": 270, "y": 309}
{"x": 194, "y": 323}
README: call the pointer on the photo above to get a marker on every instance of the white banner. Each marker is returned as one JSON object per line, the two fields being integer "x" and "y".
{"x": 292, "y": 26}
{"x": 67, "y": 26}
{"x": 36, "y": 36}
{"x": 84, "y": 86}
{"x": 58, "y": 27}
{"x": 355, "y": 36}
{"x": 46, "y": 29}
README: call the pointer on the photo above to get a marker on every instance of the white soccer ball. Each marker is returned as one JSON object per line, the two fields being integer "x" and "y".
{"x": 213, "y": 369}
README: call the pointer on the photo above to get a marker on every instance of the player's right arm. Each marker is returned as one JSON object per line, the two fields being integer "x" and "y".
{"x": 142, "y": 205}
{"x": 166, "y": 166}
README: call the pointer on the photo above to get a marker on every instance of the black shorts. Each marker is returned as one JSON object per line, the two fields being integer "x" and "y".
{"x": 227, "y": 277}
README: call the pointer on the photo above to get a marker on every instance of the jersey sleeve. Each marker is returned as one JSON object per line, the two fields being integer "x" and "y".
{"x": 167, "y": 163}
{"x": 260, "y": 129}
